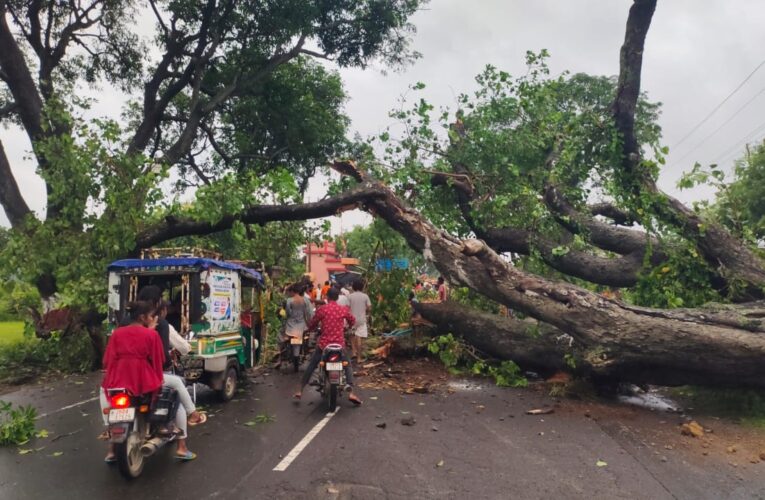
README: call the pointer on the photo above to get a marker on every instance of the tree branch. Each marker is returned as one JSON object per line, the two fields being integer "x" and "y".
{"x": 731, "y": 256}
{"x": 20, "y": 81}
{"x": 16, "y": 209}
{"x": 611, "y": 211}
{"x": 174, "y": 227}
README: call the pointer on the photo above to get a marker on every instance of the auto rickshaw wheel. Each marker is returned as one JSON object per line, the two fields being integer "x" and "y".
{"x": 230, "y": 382}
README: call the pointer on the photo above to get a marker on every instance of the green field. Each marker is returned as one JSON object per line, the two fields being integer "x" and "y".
{"x": 11, "y": 331}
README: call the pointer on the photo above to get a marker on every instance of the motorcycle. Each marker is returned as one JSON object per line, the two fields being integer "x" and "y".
{"x": 332, "y": 374}
{"x": 299, "y": 348}
{"x": 139, "y": 426}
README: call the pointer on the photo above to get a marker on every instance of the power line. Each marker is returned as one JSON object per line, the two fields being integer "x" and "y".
{"x": 733, "y": 149}
{"x": 705, "y": 139}
{"x": 704, "y": 120}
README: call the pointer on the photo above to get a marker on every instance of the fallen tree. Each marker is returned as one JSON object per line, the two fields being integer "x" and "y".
{"x": 719, "y": 346}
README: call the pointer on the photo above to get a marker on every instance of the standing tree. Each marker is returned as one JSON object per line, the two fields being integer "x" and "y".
{"x": 211, "y": 94}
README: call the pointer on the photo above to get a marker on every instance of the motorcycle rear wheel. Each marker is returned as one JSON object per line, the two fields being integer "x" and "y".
{"x": 130, "y": 460}
{"x": 331, "y": 393}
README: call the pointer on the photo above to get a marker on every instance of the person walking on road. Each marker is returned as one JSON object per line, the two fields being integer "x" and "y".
{"x": 361, "y": 306}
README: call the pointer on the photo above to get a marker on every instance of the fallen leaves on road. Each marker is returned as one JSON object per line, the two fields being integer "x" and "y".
{"x": 262, "y": 418}
{"x": 382, "y": 425}
{"x": 406, "y": 376}
{"x": 408, "y": 421}
{"x": 601, "y": 463}
{"x": 440, "y": 463}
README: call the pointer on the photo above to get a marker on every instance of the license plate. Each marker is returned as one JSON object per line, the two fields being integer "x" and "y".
{"x": 121, "y": 415}
{"x": 334, "y": 367}
{"x": 296, "y": 340}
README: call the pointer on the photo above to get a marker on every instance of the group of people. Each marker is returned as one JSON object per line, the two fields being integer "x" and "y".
{"x": 441, "y": 288}
{"x": 331, "y": 308}
{"x": 139, "y": 358}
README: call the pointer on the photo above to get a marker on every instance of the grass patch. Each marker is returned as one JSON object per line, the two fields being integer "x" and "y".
{"x": 11, "y": 332}
{"x": 746, "y": 405}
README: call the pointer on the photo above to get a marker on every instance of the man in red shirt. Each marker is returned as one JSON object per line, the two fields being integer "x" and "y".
{"x": 332, "y": 318}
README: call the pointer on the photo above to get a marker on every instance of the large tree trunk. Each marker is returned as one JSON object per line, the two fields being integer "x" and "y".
{"x": 542, "y": 348}
{"x": 532, "y": 345}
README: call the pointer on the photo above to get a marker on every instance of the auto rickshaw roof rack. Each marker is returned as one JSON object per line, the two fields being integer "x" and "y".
{"x": 182, "y": 263}
{"x": 180, "y": 252}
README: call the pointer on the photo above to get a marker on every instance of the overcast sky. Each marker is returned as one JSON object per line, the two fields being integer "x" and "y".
{"x": 697, "y": 52}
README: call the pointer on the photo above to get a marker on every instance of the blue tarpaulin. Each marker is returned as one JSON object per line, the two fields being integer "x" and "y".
{"x": 388, "y": 265}
{"x": 195, "y": 262}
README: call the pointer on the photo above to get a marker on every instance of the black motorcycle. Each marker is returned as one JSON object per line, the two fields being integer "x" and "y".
{"x": 332, "y": 374}
{"x": 139, "y": 426}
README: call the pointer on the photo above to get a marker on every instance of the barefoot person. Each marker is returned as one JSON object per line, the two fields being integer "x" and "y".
{"x": 361, "y": 306}
{"x": 332, "y": 318}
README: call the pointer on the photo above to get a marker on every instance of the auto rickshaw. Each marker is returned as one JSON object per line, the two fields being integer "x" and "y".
{"x": 208, "y": 300}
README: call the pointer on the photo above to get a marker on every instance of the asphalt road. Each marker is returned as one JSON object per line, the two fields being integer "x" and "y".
{"x": 474, "y": 443}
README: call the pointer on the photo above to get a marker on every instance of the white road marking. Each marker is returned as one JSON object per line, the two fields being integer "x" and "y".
{"x": 293, "y": 454}
{"x": 43, "y": 415}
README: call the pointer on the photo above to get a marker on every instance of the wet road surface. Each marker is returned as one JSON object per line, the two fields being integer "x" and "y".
{"x": 474, "y": 443}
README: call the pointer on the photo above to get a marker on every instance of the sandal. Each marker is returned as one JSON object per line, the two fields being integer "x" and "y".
{"x": 355, "y": 400}
{"x": 297, "y": 395}
{"x": 201, "y": 419}
{"x": 104, "y": 436}
{"x": 186, "y": 457}
{"x": 110, "y": 459}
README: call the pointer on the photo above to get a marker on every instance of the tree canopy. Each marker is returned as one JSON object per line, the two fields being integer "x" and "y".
{"x": 225, "y": 96}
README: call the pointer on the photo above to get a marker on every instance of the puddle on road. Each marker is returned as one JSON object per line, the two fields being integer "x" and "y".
{"x": 651, "y": 400}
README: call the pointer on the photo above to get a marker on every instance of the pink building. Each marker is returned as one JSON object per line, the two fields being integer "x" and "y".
{"x": 321, "y": 261}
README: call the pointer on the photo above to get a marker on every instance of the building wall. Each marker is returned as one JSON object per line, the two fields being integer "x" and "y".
{"x": 321, "y": 260}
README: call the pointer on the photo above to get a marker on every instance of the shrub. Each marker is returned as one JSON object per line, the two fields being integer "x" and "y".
{"x": 24, "y": 360}
{"x": 17, "y": 425}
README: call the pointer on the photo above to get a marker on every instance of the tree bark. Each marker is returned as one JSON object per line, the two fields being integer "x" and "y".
{"x": 530, "y": 344}
{"x": 10, "y": 197}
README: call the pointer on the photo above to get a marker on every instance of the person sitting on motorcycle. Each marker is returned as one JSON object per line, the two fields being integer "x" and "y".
{"x": 133, "y": 361}
{"x": 178, "y": 343}
{"x": 332, "y": 318}
{"x": 153, "y": 294}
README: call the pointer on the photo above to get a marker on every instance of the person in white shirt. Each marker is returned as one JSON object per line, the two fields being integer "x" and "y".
{"x": 342, "y": 300}
{"x": 360, "y": 306}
